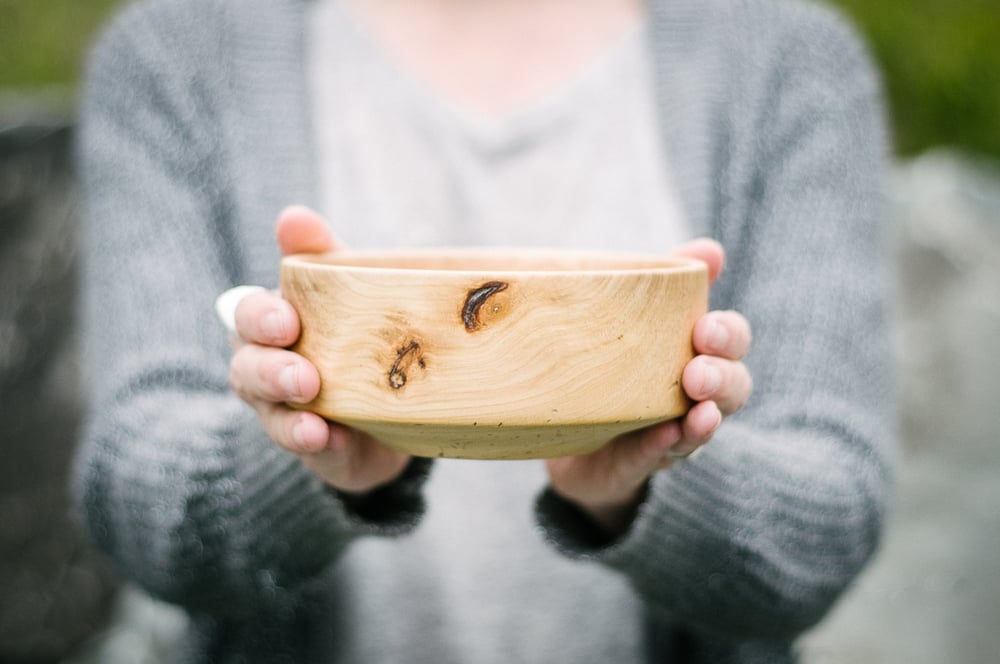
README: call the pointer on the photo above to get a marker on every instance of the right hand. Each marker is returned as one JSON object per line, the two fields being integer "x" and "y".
{"x": 266, "y": 375}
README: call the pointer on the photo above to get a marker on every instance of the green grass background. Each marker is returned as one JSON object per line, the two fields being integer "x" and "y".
{"x": 940, "y": 60}
{"x": 42, "y": 41}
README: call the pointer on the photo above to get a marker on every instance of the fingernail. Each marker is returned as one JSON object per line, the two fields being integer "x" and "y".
{"x": 713, "y": 378}
{"x": 272, "y": 326}
{"x": 718, "y": 334}
{"x": 289, "y": 381}
{"x": 718, "y": 422}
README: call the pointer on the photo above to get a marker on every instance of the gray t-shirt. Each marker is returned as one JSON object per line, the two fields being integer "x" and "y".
{"x": 399, "y": 166}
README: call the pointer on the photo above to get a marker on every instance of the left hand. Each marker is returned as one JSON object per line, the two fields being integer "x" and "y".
{"x": 609, "y": 484}
{"x": 268, "y": 376}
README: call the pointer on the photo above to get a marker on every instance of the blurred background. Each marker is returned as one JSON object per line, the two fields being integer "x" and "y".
{"x": 931, "y": 596}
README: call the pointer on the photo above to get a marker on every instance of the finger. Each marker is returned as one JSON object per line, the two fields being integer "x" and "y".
{"x": 336, "y": 458}
{"x": 296, "y": 431}
{"x": 301, "y": 230}
{"x": 367, "y": 456}
{"x": 633, "y": 457}
{"x": 724, "y": 334}
{"x": 260, "y": 373}
{"x": 707, "y": 250}
{"x": 354, "y": 462}
{"x": 225, "y": 308}
{"x": 655, "y": 445}
{"x": 725, "y": 382}
{"x": 698, "y": 427}
{"x": 608, "y": 484}
{"x": 266, "y": 318}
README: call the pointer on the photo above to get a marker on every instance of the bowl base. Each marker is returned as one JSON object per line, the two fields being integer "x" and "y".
{"x": 496, "y": 441}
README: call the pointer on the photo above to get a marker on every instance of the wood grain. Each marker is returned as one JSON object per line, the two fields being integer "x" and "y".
{"x": 496, "y": 355}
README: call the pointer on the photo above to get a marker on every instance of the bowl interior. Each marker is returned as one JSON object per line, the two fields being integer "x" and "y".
{"x": 495, "y": 260}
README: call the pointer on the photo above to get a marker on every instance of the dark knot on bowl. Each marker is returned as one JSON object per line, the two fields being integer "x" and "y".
{"x": 475, "y": 300}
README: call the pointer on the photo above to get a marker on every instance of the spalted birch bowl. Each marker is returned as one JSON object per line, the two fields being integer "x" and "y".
{"x": 496, "y": 354}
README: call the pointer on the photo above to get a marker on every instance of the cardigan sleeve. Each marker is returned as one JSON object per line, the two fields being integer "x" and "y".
{"x": 759, "y": 535}
{"x": 175, "y": 477}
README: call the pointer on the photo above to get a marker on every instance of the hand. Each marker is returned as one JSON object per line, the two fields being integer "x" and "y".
{"x": 266, "y": 375}
{"x": 609, "y": 484}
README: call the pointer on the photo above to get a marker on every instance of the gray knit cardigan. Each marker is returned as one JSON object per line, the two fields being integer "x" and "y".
{"x": 195, "y": 133}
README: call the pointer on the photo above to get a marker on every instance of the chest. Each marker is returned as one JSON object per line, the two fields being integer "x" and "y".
{"x": 398, "y": 164}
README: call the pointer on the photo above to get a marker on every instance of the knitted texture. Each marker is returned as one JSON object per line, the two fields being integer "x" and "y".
{"x": 196, "y": 133}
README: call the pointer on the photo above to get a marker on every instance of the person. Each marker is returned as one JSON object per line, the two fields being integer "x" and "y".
{"x": 611, "y": 125}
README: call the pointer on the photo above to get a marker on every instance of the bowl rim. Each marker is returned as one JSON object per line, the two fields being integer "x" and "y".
{"x": 647, "y": 263}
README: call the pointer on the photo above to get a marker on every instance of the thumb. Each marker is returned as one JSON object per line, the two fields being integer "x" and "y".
{"x": 301, "y": 230}
{"x": 707, "y": 250}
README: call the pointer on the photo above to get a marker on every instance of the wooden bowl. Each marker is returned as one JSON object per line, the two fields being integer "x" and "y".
{"x": 496, "y": 355}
